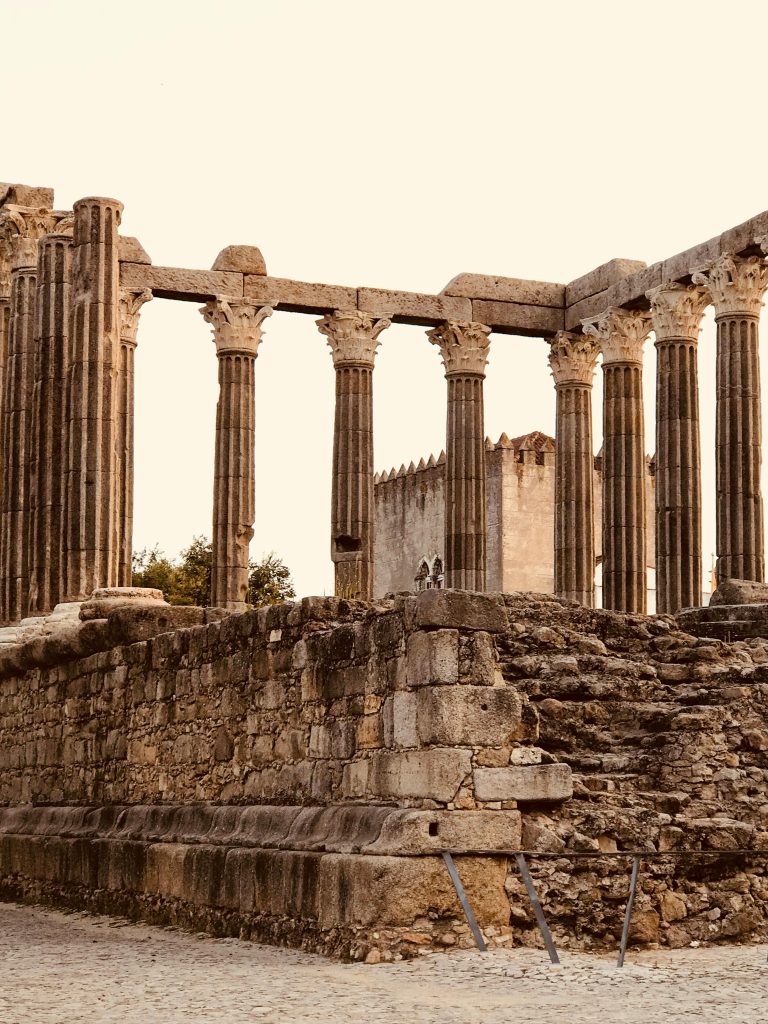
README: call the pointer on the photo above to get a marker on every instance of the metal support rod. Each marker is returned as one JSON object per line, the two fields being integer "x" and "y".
{"x": 628, "y": 911}
{"x": 540, "y": 919}
{"x": 471, "y": 919}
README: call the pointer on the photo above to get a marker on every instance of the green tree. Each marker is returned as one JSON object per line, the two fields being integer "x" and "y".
{"x": 269, "y": 581}
{"x": 188, "y": 581}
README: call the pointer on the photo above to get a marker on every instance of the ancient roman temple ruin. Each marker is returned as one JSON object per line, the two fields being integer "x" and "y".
{"x": 299, "y": 773}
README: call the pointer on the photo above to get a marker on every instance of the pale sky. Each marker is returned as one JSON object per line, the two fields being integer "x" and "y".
{"x": 387, "y": 144}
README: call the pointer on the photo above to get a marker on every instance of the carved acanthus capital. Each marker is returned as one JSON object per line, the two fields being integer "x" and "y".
{"x": 573, "y": 358}
{"x": 20, "y": 229}
{"x": 735, "y": 284}
{"x": 353, "y": 336}
{"x": 676, "y": 310}
{"x": 620, "y": 334}
{"x": 236, "y": 325}
{"x": 463, "y": 345}
{"x": 131, "y": 301}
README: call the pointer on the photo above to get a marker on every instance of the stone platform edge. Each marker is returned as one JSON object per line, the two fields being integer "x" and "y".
{"x": 210, "y": 869}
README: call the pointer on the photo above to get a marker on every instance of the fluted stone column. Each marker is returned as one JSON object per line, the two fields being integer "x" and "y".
{"x": 464, "y": 348}
{"x": 49, "y": 456}
{"x": 573, "y": 358}
{"x": 736, "y": 287}
{"x": 353, "y": 340}
{"x": 621, "y": 336}
{"x": 92, "y": 510}
{"x": 237, "y": 333}
{"x": 676, "y": 312}
{"x": 131, "y": 302}
{"x": 16, "y": 441}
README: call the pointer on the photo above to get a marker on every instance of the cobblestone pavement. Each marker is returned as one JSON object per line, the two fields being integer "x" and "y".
{"x": 73, "y": 969}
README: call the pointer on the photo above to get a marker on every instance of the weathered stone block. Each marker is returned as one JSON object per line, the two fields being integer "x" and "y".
{"x": 242, "y": 259}
{"x": 544, "y": 783}
{"x": 179, "y": 283}
{"x": 301, "y": 296}
{"x": 430, "y": 774}
{"x": 516, "y": 318}
{"x": 411, "y": 307}
{"x": 460, "y": 609}
{"x": 739, "y": 592}
{"x": 415, "y": 831}
{"x": 506, "y": 289}
{"x": 468, "y": 715}
{"x": 432, "y": 657}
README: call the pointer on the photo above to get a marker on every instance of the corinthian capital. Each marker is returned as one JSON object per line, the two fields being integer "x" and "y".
{"x": 573, "y": 358}
{"x": 620, "y": 334}
{"x": 735, "y": 284}
{"x": 353, "y": 336}
{"x": 236, "y": 325}
{"x": 676, "y": 310}
{"x": 463, "y": 345}
{"x": 131, "y": 301}
{"x": 20, "y": 229}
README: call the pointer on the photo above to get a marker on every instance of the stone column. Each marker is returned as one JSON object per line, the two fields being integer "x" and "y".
{"x": 573, "y": 358}
{"x": 17, "y": 419}
{"x": 464, "y": 348}
{"x": 237, "y": 333}
{"x": 621, "y": 336}
{"x": 676, "y": 313}
{"x": 49, "y": 459}
{"x": 92, "y": 515}
{"x": 353, "y": 340}
{"x": 131, "y": 302}
{"x": 736, "y": 288}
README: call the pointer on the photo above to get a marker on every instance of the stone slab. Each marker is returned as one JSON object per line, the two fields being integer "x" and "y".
{"x": 299, "y": 296}
{"x": 507, "y": 289}
{"x": 130, "y": 250}
{"x": 413, "y": 307}
{"x": 540, "y": 783}
{"x": 181, "y": 284}
{"x": 600, "y": 279}
{"x": 516, "y": 318}
{"x": 488, "y": 716}
{"x": 243, "y": 259}
{"x": 740, "y": 592}
{"x": 460, "y": 609}
{"x": 434, "y": 774}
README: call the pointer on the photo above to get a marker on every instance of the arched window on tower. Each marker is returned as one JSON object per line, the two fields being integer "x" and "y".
{"x": 421, "y": 579}
{"x": 437, "y": 576}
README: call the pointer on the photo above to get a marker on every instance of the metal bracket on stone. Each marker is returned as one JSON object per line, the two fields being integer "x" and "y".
{"x": 466, "y": 905}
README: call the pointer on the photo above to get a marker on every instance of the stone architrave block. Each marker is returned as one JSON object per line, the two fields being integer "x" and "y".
{"x": 434, "y": 774}
{"x": 487, "y": 716}
{"x": 432, "y": 657}
{"x": 507, "y": 289}
{"x": 459, "y": 609}
{"x": 412, "y": 306}
{"x": 600, "y": 279}
{"x": 182, "y": 284}
{"x": 299, "y": 295}
{"x": 541, "y": 783}
{"x": 517, "y": 318}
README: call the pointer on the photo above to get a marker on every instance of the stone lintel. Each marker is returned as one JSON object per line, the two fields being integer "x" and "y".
{"x": 507, "y": 289}
{"x": 601, "y": 278}
{"x": 181, "y": 284}
{"x": 412, "y": 307}
{"x": 130, "y": 250}
{"x": 742, "y": 240}
{"x": 299, "y": 296}
{"x": 517, "y": 318}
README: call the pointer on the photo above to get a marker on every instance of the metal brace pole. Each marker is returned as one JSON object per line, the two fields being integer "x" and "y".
{"x": 540, "y": 919}
{"x": 628, "y": 911}
{"x": 471, "y": 919}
